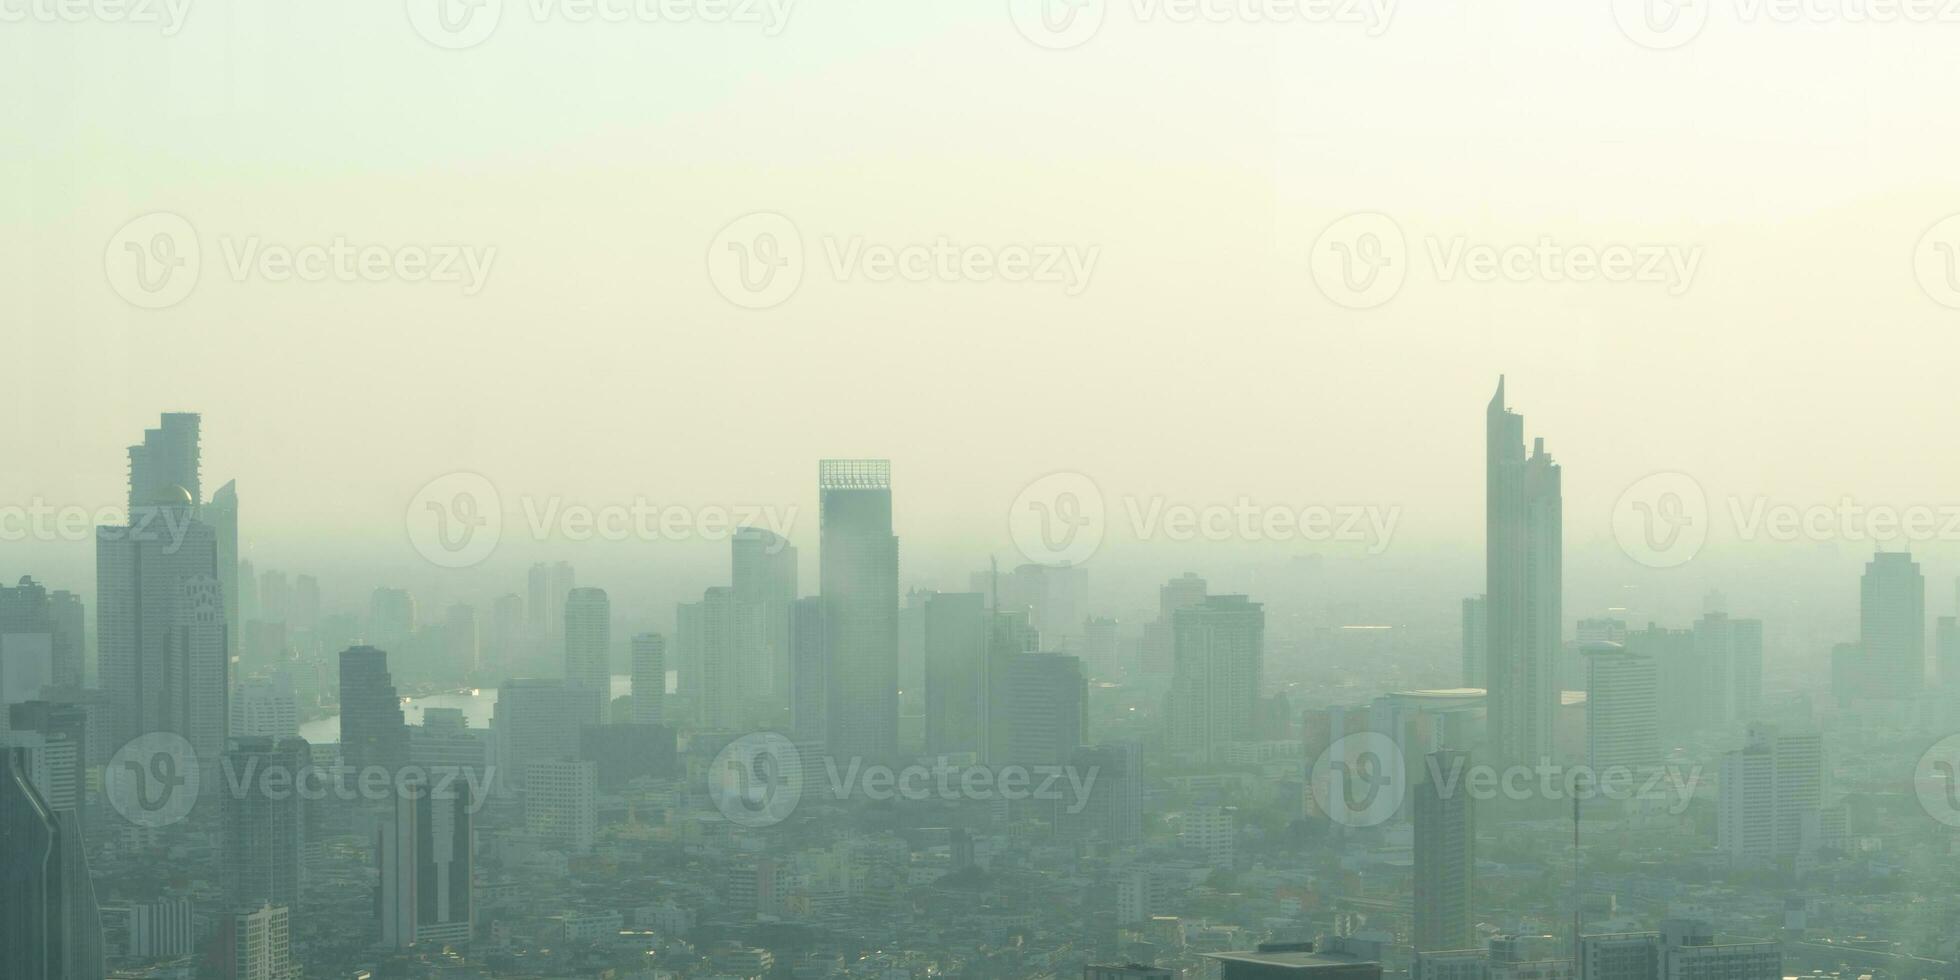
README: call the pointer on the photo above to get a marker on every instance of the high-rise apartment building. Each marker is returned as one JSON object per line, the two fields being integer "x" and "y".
{"x": 588, "y": 649}
{"x": 1772, "y": 795}
{"x": 649, "y": 671}
{"x": 763, "y": 576}
{"x": 1622, "y": 709}
{"x": 262, "y": 857}
{"x": 809, "y": 682}
{"x": 727, "y": 633}
{"x": 1218, "y": 662}
{"x": 1445, "y": 856}
{"x": 956, "y": 646}
{"x": 1041, "y": 712}
{"x": 257, "y": 944}
{"x": 560, "y": 800}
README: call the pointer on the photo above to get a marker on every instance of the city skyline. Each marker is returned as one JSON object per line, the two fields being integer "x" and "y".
{"x": 1017, "y": 490}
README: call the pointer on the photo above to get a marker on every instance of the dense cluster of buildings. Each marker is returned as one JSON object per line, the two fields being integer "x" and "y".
{"x": 1006, "y": 781}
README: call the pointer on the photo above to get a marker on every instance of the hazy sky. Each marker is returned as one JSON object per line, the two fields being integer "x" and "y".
{"x": 1797, "y": 164}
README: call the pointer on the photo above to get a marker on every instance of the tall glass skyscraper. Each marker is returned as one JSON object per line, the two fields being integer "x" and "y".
{"x": 858, "y": 582}
{"x": 1523, "y": 559}
{"x": 1892, "y": 625}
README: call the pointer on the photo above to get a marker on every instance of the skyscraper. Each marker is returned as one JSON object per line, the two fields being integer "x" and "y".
{"x": 197, "y": 684}
{"x": 222, "y": 514}
{"x": 1678, "y": 673}
{"x": 560, "y": 799}
{"x": 1050, "y": 594}
{"x": 50, "y": 927}
{"x": 372, "y": 729}
{"x": 537, "y": 720}
{"x": 809, "y": 672}
{"x": 392, "y": 617}
{"x": 1476, "y": 639}
{"x": 1445, "y": 854}
{"x": 1158, "y": 640}
{"x": 61, "y": 733}
{"x": 1770, "y": 789}
{"x": 1892, "y": 625}
{"x": 425, "y": 856}
{"x": 167, "y": 457}
{"x": 588, "y": 648}
{"x": 45, "y": 627}
{"x": 1523, "y": 556}
{"x": 547, "y": 587}
{"x": 728, "y": 631}
{"x": 763, "y": 567}
{"x": 1041, "y": 716}
{"x": 1622, "y": 709}
{"x": 956, "y": 660}
{"x": 649, "y": 678}
{"x": 1112, "y": 808}
{"x": 1218, "y": 662}
{"x": 153, "y": 644}
{"x": 859, "y": 587}
{"x": 264, "y": 832}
